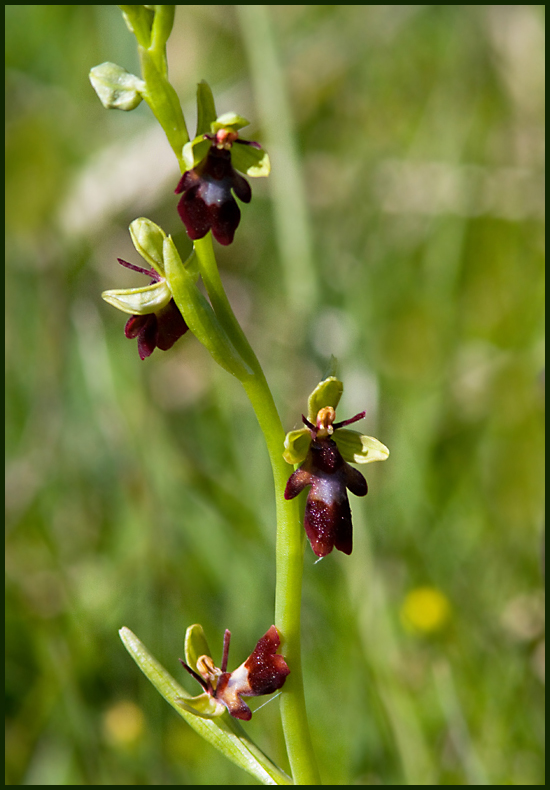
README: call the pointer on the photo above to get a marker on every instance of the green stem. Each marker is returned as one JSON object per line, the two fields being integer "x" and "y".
{"x": 288, "y": 591}
{"x": 290, "y": 534}
{"x": 210, "y": 274}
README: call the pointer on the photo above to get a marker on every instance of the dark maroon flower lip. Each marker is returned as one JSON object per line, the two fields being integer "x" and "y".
{"x": 327, "y": 518}
{"x": 263, "y": 672}
{"x": 160, "y": 329}
{"x": 207, "y": 201}
{"x": 156, "y": 330}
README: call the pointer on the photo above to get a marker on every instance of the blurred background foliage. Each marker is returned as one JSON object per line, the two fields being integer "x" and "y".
{"x": 402, "y": 231}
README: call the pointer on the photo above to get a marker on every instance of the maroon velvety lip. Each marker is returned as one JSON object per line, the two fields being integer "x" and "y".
{"x": 327, "y": 518}
{"x": 207, "y": 201}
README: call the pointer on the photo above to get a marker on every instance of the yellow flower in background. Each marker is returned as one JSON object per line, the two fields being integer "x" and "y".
{"x": 123, "y": 723}
{"x": 425, "y": 609}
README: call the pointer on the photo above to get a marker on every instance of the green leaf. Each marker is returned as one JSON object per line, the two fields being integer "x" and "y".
{"x": 224, "y": 733}
{"x": 296, "y": 446}
{"x": 139, "y": 301}
{"x": 326, "y": 393}
{"x": 116, "y": 88}
{"x": 359, "y": 449}
{"x": 206, "y": 109}
{"x": 250, "y": 160}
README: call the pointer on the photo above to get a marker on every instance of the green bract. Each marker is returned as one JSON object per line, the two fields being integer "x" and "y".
{"x": 116, "y": 88}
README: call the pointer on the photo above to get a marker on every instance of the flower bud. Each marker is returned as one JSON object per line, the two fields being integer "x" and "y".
{"x": 116, "y": 88}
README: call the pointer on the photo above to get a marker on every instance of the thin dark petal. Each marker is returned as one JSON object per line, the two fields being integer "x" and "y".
{"x": 241, "y": 187}
{"x": 149, "y": 272}
{"x": 249, "y": 142}
{"x": 225, "y": 656}
{"x": 357, "y": 417}
{"x": 192, "y": 672}
{"x": 297, "y": 481}
{"x": 309, "y": 424}
{"x": 134, "y": 325}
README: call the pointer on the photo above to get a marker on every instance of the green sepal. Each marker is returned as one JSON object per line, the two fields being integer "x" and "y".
{"x": 139, "y": 301}
{"x": 326, "y": 393}
{"x": 195, "y": 645}
{"x": 148, "y": 240}
{"x": 296, "y": 446}
{"x": 204, "y": 706}
{"x": 223, "y": 732}
{"x": 229, "y": 120}
{"x": 206, "y": 109}
{"x": 250, "y": 160}
{"x": 359, "y": 449}
{"x": 116, "y": 88}
{"x": 195, "y": 151}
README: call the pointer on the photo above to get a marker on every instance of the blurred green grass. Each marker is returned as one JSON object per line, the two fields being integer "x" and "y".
{"x": 139, "y": 494}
